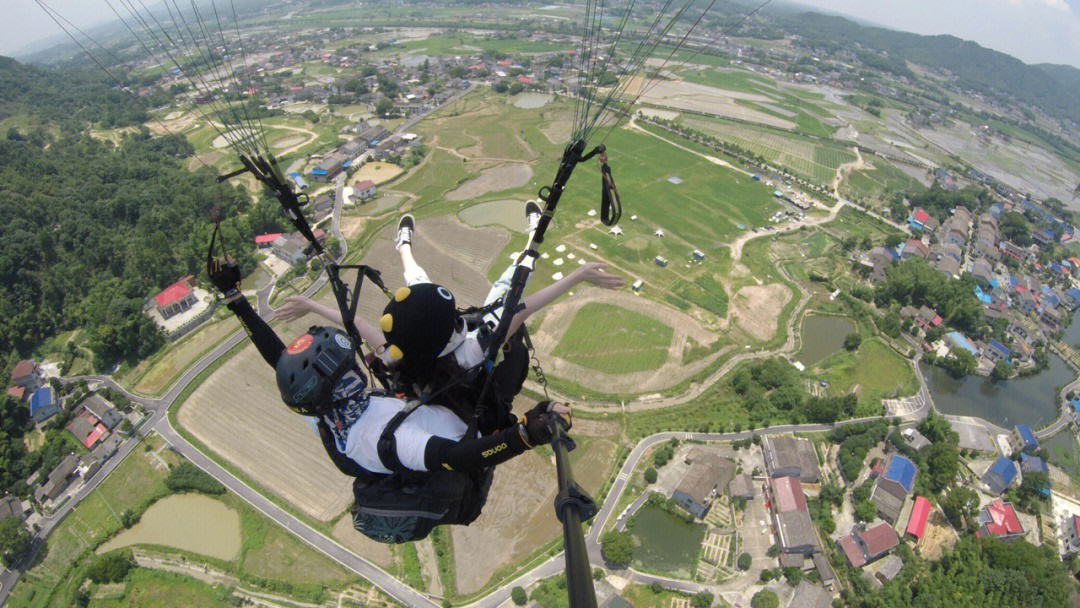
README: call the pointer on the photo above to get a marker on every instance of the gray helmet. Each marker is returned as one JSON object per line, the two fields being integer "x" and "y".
{"x": 310, "y": 367}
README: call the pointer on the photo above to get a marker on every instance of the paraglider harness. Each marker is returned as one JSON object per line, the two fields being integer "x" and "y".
{"x": 406, "y": 505}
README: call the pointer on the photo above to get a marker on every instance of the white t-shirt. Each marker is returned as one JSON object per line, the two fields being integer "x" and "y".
{"x": 411, "y": 437}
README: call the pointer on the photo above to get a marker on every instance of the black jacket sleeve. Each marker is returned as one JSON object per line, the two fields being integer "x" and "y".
{"x": 268, "y": 343}
{"x": 473, "y": 454}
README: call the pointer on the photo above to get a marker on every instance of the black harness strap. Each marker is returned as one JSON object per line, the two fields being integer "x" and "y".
{"x": 610, "y": 203}
{"x": 387, "y": 445}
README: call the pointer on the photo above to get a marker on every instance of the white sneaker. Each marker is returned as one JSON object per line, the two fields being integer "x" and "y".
{"x": 405, "y": 229}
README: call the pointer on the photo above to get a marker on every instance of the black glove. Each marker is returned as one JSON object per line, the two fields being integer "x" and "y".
{"x": 225, "y": 275}
{"x": 538, "y": 423}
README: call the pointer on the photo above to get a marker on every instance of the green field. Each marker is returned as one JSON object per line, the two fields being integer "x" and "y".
{"x": 879, "y": 182}
{"x": 614, "y": 340}
{"x": 463, "y": 44}
{"x": 153, "y": 588}
{"x": 815, "y": 160}
{"x": 875, "y": 371}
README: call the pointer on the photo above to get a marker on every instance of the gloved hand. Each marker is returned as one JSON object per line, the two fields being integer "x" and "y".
{"x": 225, "y": 275}
{"x": 538, "y": 421}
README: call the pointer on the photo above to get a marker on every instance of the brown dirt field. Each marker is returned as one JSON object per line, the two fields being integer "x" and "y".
{"x": 208, "y": 158}
{"x": 938, "y": 535}
{"x": 518, "y": 517}
{"x": 377, "y": 553}
{"x": 377, "y": 172}
{"x": 351, "y": 225}
{"x": 501, "y": 177}
{"x": 238, "y": 413}
{"x": 757, "y": 308}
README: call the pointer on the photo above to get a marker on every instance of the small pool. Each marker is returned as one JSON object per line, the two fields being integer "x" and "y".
{"x": 531, "y": 101}
{"x": 823, "y": 335}
{"x": 665, "y": 542}
{"x": 508, "y": 213}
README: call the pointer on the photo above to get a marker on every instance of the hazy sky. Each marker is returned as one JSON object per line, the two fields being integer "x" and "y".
{"x": 1034, "y": 31}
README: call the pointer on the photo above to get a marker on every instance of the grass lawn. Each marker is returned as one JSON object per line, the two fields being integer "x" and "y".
{"x": 877, "y": 371}
{"x": 614, "y": 340}
{"x": 1064, "y": 452}
{"x": 181, "y": 355}
{"x": 153, "y": 588}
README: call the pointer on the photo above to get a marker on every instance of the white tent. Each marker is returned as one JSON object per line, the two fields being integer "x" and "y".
{"x": 659, "y": 232}
{"x": 615, "y": 230}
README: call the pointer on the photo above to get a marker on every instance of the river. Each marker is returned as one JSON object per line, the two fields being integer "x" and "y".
{"x": 1031, "y": 400}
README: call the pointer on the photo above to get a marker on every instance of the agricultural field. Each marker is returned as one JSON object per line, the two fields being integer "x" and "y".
{"x": 154, "y": 375}
{"x": 816, "y": 161}
{"x": 878, "y": 182}
{"x": 614, "y": 340}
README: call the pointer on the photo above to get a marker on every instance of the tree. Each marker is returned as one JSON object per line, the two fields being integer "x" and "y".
{"x": 617, "y": 547}
{"x": 500, "y": 87}
{"x": 1032, "y": 488}
{"x": 597, "y": 574}
{"x": 384, "y": 107}
{"x": 650, "y": 475}
{"x": 793, "y": 575}
{"x": 773, "y": 551}
{"x": 15, "y": 541}
{"x": 517, "y": 594}
{"x": 745, "y": 561}
{"x": 852, "y": 341}
{"x": 515, "y": 87}
{"x": 942, "y": 464}
{"x": 1002, "y": 370}
{"x": 893, "y": 240}
{"x": 1015, "y": 228}
{"x": 865, "y": 510}
{"x": 703, "y": 599}
{"x": 765, "y": 599}
{"x": 960, "y": 506}
{"x": 111, "y": 567}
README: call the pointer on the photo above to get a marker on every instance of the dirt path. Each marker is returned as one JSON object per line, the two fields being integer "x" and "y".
{"x": 844, "y": 169}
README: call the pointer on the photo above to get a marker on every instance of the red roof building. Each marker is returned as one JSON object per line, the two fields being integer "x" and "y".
{"x": 920, "y": 215}
{"x": 505, "y": 62}
{"x": 17, "y": 392}
{"x": 878, "y": 540}
{"x": 23, "y": 368}
{"x": 266, "y": 240}
{"x": 524, "y": 80}
{"x": 852, "y": 551}
{"x": 94, "y": 435}
{"x": 919, "y": 514}
{"x": 787, "y": 494}
{"x": 999, "y": 520}
{"x": 175, "y": 298}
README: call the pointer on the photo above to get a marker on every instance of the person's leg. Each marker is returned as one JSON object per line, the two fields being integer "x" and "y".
{"x": 502, "y": 285}
{"x": 413, "y": 272}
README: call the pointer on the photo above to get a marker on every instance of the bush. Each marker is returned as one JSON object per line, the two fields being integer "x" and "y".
{"x": 650, "y": 475}
{"x": 186, "y": 477}
{"x": 744, "y": 562}
{"x": 597, "y": 574}
{"x": 111, "y": 567}
{"x": 765, "y": 599}
{"x": 517, "y": 594}
{"x": 852, "y": 341}
{"x": 617, "y": 547}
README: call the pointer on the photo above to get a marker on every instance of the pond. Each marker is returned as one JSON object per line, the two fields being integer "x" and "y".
{"x": 381, "y": 204}
{"x": 531, "y": 101}
{"x": 1031, "y": 400}
{"x": 509, "y": 213}
{"x": 665, "y": 542}
{"x": 189, "y": 522}
{"x": 823, "y": 335}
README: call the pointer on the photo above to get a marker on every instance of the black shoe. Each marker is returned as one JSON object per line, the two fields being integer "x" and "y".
{"x": 405, "y": 229}
{"x": 532, "y": 215}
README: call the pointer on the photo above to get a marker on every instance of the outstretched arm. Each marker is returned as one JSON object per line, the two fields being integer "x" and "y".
{"x": 592, "y": 272}
{"x": 225, "y": 275}
{"x": 298, "y": 306}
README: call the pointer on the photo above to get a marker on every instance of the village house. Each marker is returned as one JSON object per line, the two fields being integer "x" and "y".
{"x": 43, "y": 405}
{"x": 176, "y": 298}
{"x": 1022, "y": 439}
{"x": 58, "y": 479}
{"x": 364, "y": 190}
{"x": 1070, "y": 535}
{"x": 787, "y": 456}
{"x": 706, "y": 478}
{"x": 1000, "y": 475}
{"x": 26, "y": 374}
{"x": 105, "y": 413}
{"x": 998, "y": 520}
{"x": 794, "y": 528}
{"x": 891, "y": 490}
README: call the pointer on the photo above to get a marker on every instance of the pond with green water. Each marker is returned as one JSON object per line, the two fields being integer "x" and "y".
{"x": 823, "y": 335}
{"x": 664, "y": 542}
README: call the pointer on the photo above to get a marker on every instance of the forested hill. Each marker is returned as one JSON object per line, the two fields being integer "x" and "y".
{"x": 1054, "y": 91}
{"x": 75, "y": 96}
{"x": 90, "y": 229}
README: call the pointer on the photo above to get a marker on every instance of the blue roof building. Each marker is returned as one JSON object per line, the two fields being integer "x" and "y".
{"x": 1000, "y": 350}
{"x": 42, "y": 404}
{"x": 901, "y": 470}
{"x": 1000, "y": 475}
{"x": 958, "y": 340}
{"x": 1023, "y": 439}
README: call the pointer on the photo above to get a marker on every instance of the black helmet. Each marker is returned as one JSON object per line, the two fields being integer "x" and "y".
{"x": 310, "y": 367}
{"x": 418, "y": 324}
